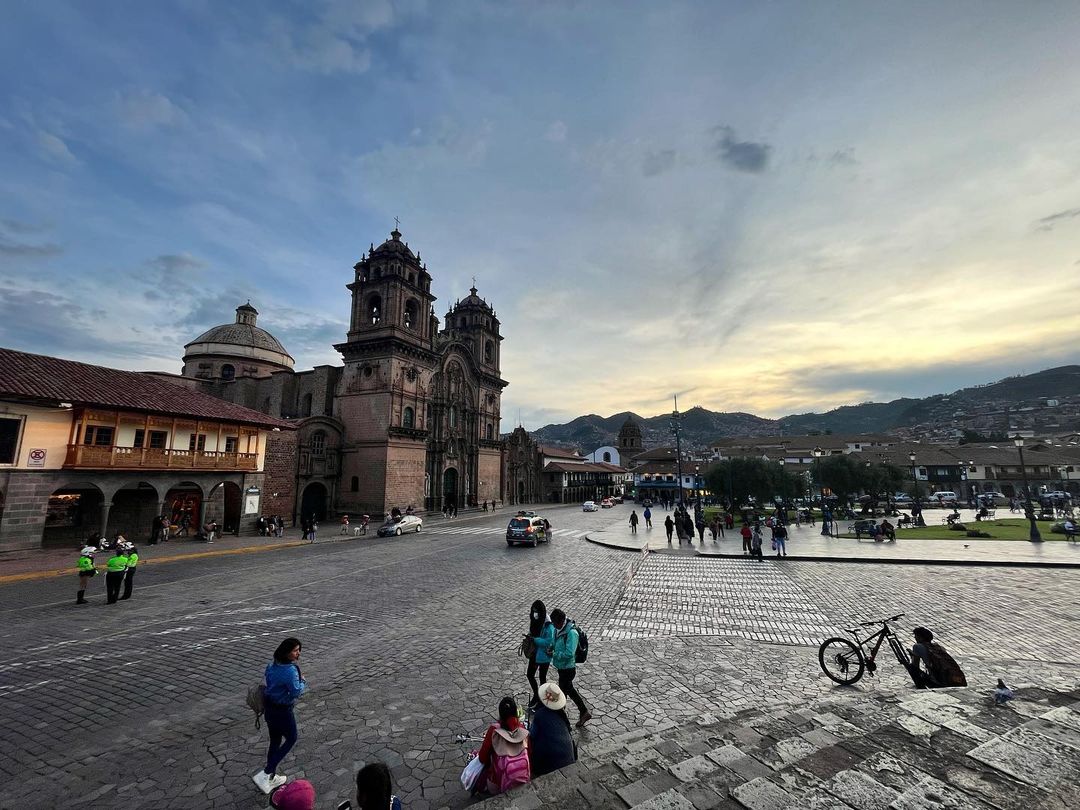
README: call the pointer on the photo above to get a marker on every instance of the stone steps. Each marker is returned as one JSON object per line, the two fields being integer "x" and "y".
{"x": 857, "y": 751}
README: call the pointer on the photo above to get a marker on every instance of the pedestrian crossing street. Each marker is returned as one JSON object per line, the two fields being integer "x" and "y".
{"x": 500, "y": 531}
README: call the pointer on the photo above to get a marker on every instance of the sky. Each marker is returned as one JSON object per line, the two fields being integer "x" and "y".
{"x": 764, "y": 207}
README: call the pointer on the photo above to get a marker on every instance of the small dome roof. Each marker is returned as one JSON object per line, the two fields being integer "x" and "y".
{"x": 393, "y": 246}
{"x": 630, "y": 428}
{"x": 241, "y": 334}
{"x": 474, "y": 301}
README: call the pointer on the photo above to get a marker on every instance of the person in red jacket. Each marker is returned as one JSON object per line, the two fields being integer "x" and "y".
{"x": 746, "y": 536}
{"x": 507, "y": 738}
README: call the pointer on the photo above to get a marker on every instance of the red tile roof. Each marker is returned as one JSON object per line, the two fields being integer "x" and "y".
{"x": 37, "y": 377}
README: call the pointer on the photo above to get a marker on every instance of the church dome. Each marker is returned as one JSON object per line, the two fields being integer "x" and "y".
{"x": 218, "y": 350}
{"x": 393, "y": 247}
{"x": 473, "y": 301}
{"x": 630, "y": 428}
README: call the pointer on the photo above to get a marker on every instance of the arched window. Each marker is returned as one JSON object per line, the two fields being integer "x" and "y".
{"x": 489, "y": 352}
{"x": 607, "y": 457}
{"x": 374, "y": 309}
{"x": 228, "y": 371}
{"x": 318, "y": 443}
{"x": 490, "y": 432}
{"x": 451, "y": 417}
{"x": 354, "y": 485}
{"x": 407, "y": 418}
{"x": 410, "y": 318}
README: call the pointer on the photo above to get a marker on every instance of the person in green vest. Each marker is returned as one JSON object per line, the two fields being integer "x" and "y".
{"x": 129, "y": 575}
{"x": 114, "y": 571}
{"x": 86, "y": 572}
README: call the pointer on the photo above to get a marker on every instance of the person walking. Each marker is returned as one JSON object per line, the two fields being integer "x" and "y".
{"x": 755, "y": 542}
{"x": 86, "y": 570}
{"x": 780, "y": 539}
{"x": 284, "y": 686}
{"x": 747, "y": 536}
{"x": 115, "y": 568}
{"x": 647, "y": 514}
{"x": 542, "y": 633}
{"x": 344, "y": 524}
{"x": 633, "y": 522}
{"x": 564, "y": 657}
{"x": 129, "y": 574}
{"x": 700, "y": 525}
{"x": 669, "y": 527}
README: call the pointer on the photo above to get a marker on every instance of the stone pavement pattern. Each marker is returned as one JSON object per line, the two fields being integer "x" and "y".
{"x": 911, "y": 751}
{"x": 411, "y": 641}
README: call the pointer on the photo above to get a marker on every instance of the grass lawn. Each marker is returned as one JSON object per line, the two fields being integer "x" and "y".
{"x": 1007, "y": 529}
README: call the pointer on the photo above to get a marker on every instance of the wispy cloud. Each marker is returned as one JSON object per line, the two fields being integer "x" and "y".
{"x": 145, "y": 110}
{"x": 1052, "y": 221}
{"x": 744, "y": 156}
{"x": 54, "y": 148}
{"x": 13, "y": 241}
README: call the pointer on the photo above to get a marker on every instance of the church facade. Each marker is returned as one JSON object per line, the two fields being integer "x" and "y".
{"x": 411, "y": 418}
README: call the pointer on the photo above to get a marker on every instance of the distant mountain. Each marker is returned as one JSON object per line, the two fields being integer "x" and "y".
{"x": 701, "y": 426}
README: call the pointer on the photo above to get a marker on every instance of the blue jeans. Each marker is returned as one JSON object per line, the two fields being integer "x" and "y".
{"x": 281, "y": 723}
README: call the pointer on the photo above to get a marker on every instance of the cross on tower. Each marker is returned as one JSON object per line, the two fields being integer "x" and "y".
{"x": 397, "y": 224}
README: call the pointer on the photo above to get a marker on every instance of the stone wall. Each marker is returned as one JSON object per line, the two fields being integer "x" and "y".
{"x": 279, "y": 482}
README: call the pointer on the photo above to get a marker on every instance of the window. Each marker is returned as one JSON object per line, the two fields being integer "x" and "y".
{"x": 231, "y": 443}
{"x": 354, "y": 485}
{"x": 451, "y": 417}
{"x": 607, "y": 457}
{"x": 157, "y": 439}
{"x": 489, "y": 352}
{"x": 99, "y": 435}
{"x": 374, "y": 309}
{"x": 410, "y": 317}
{"x": 197, "y": 442}
{"x": 227, "y": 372}
{"x": 490, "y": 433}
{"x": 318, "y": 443}
{"x": 407, "y": 418}
{"x": 9, "y": 439}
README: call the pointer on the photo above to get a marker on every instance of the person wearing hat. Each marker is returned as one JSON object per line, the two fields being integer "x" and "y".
{"x": 502, "y": 749}
{"x": 86, "y": 572}
{"x": 551, "y": 745}
{"x": 129, "y": 575}
{"x": 115, "y": 568}
{"x": 296, "y": 795}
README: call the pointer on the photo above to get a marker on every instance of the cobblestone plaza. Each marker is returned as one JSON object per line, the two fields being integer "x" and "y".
{"x": 411, "y": 641}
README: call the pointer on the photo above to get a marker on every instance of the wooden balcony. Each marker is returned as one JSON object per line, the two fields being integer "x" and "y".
{"x": 89, "y": 456}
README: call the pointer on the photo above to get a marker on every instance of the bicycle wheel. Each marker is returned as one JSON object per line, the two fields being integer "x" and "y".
{"x": 841, "y": 660}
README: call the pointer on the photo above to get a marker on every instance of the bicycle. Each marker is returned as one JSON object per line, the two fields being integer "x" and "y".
{"x": 845, "y": 661}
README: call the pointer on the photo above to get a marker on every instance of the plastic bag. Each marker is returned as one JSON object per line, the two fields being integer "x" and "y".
{"x": 470, "y": 777}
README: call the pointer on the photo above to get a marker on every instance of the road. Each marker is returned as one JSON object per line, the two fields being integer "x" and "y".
{"x": 411, "y": 641}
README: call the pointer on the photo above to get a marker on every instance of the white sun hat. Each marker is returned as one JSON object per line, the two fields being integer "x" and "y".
{"x": 552, "y": 696}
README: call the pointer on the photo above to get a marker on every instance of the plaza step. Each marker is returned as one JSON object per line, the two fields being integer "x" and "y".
{"x": 856, "y": 751}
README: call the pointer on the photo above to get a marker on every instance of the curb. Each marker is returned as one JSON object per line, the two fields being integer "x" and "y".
{"x": 195, "y": 555}
{"x": 866, "y": 560}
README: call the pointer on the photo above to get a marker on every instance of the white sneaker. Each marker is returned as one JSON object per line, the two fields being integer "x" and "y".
{"x": 262, "y": 781}
{"x": 277, "y": 781}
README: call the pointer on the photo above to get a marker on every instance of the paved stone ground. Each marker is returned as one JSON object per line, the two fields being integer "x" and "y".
{"x": 411, "y": 641}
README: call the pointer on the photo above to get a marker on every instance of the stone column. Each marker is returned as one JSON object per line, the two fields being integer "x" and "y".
{"x": 106, "y": 505}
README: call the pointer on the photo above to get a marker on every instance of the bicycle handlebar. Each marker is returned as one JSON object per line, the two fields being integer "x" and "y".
{"x": 881, "y": 621}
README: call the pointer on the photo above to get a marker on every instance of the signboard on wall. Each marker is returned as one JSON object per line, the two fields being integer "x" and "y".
{"x": 36, "y": 457}
{"x": 251, "y": 501}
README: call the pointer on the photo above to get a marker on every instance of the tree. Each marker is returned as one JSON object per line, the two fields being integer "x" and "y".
{"x": 757, "y": 478}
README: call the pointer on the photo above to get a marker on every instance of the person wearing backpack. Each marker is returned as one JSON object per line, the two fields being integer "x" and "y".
{"x": 542, "y": 633}
{"x": 284, "y": 686}
{"x": 505, "y": 750}
{"x": 941, "y": 668}
{"x": 564, "y": 657}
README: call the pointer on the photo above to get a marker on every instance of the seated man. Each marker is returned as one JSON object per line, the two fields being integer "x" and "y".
{"x": 941, "y": 669}
{"x": 1070, "y": 529}
{"x": 872, "y": 530}
{"x": 888, "y": 531}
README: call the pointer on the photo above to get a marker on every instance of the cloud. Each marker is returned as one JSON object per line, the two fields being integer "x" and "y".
{"x": 1050, "y": 222}
{"x": 844, "y": 157}
{"x": 175, "y": 263}
{"x": 147, "y": 110}
{"x": 12, "y": 245}
{"x": 335, "y": 41}
{"x": 54, "y": 148}
{"x": 743, "y": 156}
{"x": 556, "y": 133}
{"x": 655, "y": 163}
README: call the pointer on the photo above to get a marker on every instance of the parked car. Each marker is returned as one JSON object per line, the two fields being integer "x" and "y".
{"x": 944, "y": 498}
{"x": 992, "y": 499}
{"x": 617, "y": 498}
{"x": 526, "y": 513}
{"x": 590, "y": 506}
{"x": 607, "y": 503}
{"x": 398, "y": 526}
{"x": 527, "y": 531}
{"x": 901, "y": 498}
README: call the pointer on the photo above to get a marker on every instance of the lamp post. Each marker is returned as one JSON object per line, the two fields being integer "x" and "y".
{"x": 676, "y": 428}
{"x": 817, "y": 452}
{"x": 1033, "y": 535}
{"x": 916, "y": 509}
{"x": 783, "y": 482}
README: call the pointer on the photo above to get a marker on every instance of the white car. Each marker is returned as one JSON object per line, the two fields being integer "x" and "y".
{"x": 406, "y": 523}
{"x": 590, "y": 506}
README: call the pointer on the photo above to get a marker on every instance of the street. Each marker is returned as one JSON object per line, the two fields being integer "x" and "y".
{"x": 410, "y": 641}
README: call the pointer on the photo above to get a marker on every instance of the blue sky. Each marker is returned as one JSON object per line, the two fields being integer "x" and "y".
{"x": 772, "y": 207}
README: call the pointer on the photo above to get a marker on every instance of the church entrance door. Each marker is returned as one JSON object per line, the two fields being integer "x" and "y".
{"x": 314, "y": 503}
{"x": 450, "y": 487}
{"x": 521, "y": 492}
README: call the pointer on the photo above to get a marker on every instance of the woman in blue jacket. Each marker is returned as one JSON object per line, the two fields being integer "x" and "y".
{"x": 284, "y": 685}
{"x": 542, "y": 633}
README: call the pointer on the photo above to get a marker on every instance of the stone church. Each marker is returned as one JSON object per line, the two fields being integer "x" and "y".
{"x": 411, "y": 418}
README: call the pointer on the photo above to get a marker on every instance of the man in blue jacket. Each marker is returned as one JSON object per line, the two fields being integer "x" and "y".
{"x": 564, "y": 657}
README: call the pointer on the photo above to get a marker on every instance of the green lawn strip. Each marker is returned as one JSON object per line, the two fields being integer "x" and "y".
{"x": 1008, "y": 529}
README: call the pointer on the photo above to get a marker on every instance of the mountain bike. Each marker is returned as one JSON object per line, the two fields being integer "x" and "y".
{"x": 845, "y": 661}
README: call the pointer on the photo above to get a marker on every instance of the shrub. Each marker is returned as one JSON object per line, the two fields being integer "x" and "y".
{"x": 977, "y": 533}
{"x": 958, "y": 527}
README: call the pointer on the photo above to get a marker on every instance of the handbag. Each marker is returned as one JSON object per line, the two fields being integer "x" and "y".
{"x": 470, "y": 777}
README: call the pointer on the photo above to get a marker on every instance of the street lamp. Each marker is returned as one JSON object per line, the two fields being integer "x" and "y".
{"x": 817, "y": 453}
{"x": 783, "y": 482}
{"x": 916, "y": 507}
{"x": 1033, "y": 535}
{"x": 676, "y": 428}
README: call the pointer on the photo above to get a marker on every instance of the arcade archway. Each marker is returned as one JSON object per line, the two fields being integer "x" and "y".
{"x": 313, "y": 503}
{"x": 450, "y": 487}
